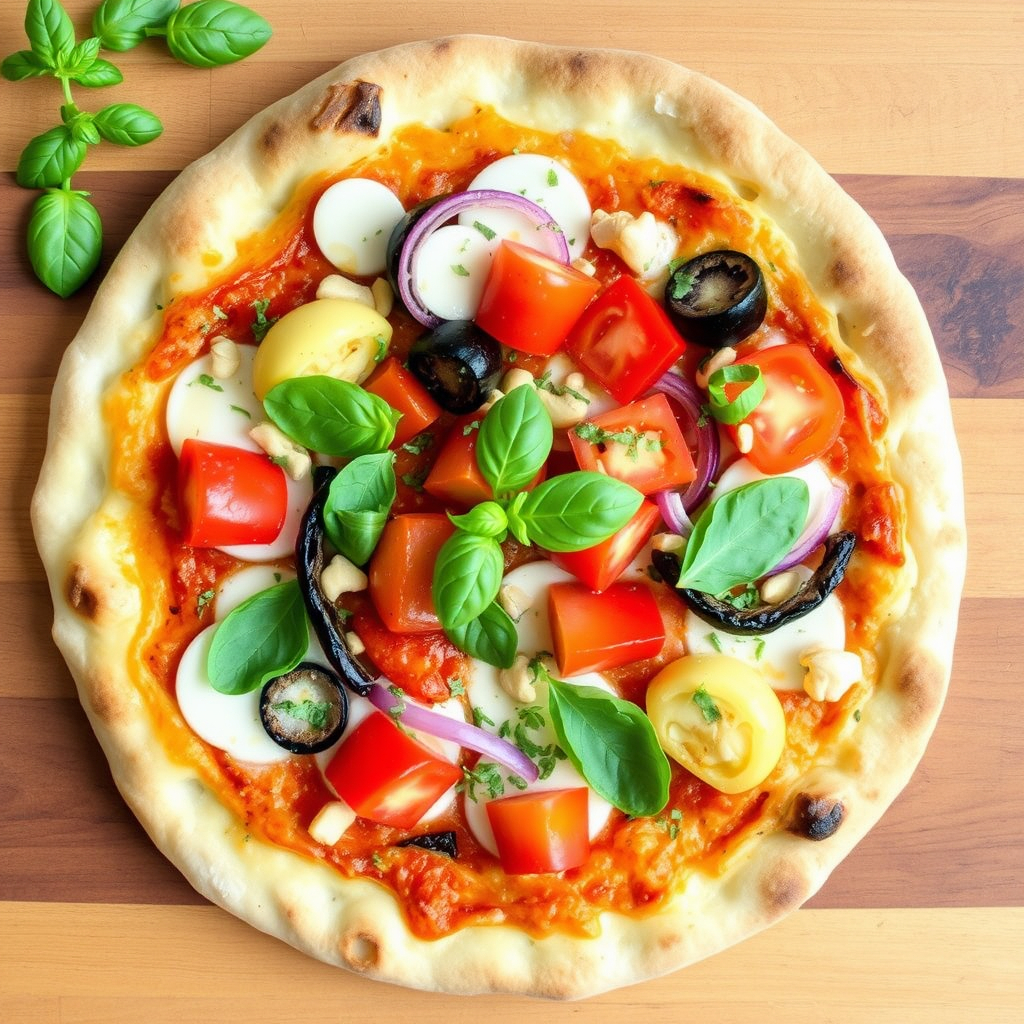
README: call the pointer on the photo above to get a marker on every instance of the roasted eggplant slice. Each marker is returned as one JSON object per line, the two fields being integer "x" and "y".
{"x": 717, "y": 298}
{"x": 444, "y": 843}
{"x": 304, "y": 710}
{"x": 765, "y": 618}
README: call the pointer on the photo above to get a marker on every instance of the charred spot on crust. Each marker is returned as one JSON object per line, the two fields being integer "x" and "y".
{"x": 80, "y": 596}
{"x": 352, "y": 107}
{"x": 360, "y": 950}
{"x": 783, "y": 889}
{"x": 816, "y": 817}
{"x": 845, "y": 274}
{"x": 272, "y": 139}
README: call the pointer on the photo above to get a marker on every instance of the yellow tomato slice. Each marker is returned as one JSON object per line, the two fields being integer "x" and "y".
{"x": 719, "y": 719}
{"x": 331, "y": 337}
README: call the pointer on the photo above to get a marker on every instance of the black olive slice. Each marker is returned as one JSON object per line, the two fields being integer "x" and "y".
{"x": 436, "y": 842}
{"x": 717, "y": 299}
{"x": 765, "y": 618}
{"x": 309, "y": 562}
{"x": 458, "y": 363}
{"x": 304, "y": 710}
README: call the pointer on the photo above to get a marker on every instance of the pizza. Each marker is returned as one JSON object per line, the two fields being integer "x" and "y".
{"x": 504, "y": 520}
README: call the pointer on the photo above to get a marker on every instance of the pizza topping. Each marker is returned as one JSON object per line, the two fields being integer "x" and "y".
{"x": 291, "y": 457}
{"x": 352, "y": 222}
{"x": 541, "y": 832}
{"x": 458, "y": 364}
{"x": 830, "y": 673}
{"x": 718, "y": 718}
{"x": 331, "y": 822}
{"x": 542, "y": 233}
{"x": 335, "y": 286}
{"x": 445, "y": 843}
{"x": 717, "y": 298}
{"x": 304, "y": 710}
{"x": 225, "y": 359}
{"x": 340, "y": 338}
{"x": 644, "y": 244}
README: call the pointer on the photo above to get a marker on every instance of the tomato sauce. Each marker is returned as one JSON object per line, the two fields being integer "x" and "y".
{"x": 635, "y": 864}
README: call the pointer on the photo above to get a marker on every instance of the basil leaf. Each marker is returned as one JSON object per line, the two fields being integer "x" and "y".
{"x": 744, "y": 534}
{"x": 577, "y": 510}
{"x": 491, "y": 637}
{"x": 467, "y": 577}
{"x": 49, "y": 30}
{"x": 331, "y": 416}
{"x": 84, "y": 129}
{"x": 739, "y": 408}
{"x": 24, "y": 64}
{"x": 64, "y": 240}
{"x": 358, "y": 502}
{"x": 211, "y": 33}
{"x": 101, "y": 73}
{"x": 127, "y": 124}
{"x": 514, "y": 441}
{"x": 613, "y": 746}
{"x": 488, "y": 519}
{"x": 50, "y": 159}
{"x": 265, "y": 636}
{"x": 122, "y": 24}
{"x": 79, "y": 60}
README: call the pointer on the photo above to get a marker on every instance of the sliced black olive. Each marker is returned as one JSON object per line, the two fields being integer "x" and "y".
{"x": 436, "y": 842}
{"x": 717, "y": 299}
{"x": 398, "y": 235}
{"x": 765, "y": 618}
{"x": 304, "y": 710}
{"x": 459, "y": 365}
{"x": 309, "y": 563}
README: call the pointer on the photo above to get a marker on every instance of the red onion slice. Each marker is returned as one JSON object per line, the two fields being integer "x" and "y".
{"x": 673, "y": 512}
{"x": 466, "y": 735}
{"x": 690, "y": 401}
{"x": 549, "y": 235}
{"x": 821, "y": 517}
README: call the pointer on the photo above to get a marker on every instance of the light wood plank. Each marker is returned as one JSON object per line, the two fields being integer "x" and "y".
{"x": 176, "y": 965}
{"x": 902, "y": 88}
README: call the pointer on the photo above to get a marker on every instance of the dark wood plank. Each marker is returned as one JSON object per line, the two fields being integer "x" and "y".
{"x": 960, "y": 242}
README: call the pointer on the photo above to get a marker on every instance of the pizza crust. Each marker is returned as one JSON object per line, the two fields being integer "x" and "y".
{"x": 193, "y": 230}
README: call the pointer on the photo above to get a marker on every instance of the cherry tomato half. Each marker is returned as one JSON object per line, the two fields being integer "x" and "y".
{"x": 624, "y": 340}
{"x": 385, "y": 775}
{"x": 547, "y": 830}
{"x": 401, "y": 571}
{"x": 640, "y": 444}
{"x": 530, "y": 301}
{"x": 601, "y": 565}
{"x": 229, "y": 495}
{"x": 800, "y": 416}
{"x": 593, "y": 632}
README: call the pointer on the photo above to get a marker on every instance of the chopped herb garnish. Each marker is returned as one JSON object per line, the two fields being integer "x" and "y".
{"x": 480, "y": 718}
{"x": 631, "y": 439}
{"x": 419, "y": 444}
{"x": 552, "y": 177}
{"x": 470, "y": 427}
{"x": 459, "y": 270}
{"x": 544, "y": 383}
{"x": 261, "y": 324}
{"x": 517, "y": 780}
{"x": 682, "y": 285}
{"x": 456, "y": 687}
{"x": 715, "y": 642}
{"x": 484, "y": 230}
{"x": 206, "y": 381}
{"x": 382, "y": 348}
{"x": 708, "y": 708}
{"x": 203, "y": 600}
{"x": 484, "y": 774}
{"x": 398, "y": 708}
{"x": 244, "y": 412}
{"x": 219, "y": 313}
{"x": 415, "y": 480}
{"x": 759, "y": 648}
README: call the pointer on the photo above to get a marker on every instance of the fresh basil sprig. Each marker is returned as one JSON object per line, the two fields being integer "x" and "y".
{"x": 514, "y": 441}
{"x": 611, "y": 743}
{"x": 744, "y": 534}
{"x": 265, "y": 636}
{"x": 358, "y": 502}
{"x": 65, "y": 239}
{"x": 335, "y": 417}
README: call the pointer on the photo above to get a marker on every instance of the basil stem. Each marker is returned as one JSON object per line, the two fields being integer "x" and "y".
{"x": 744, "y": 534}
{"x": 612, "y": 744}
{"x": 265, "y": 636}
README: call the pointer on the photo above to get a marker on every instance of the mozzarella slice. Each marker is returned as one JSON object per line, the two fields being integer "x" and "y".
{"x": 451, "y": 268}
{"x": 776, "y": 654}
{"x": 352, "y": 223}
{"x": 210, "y": 409}
{"x": 545, "y": 182}
{"x": 230, "y": 722}
{"x": 245, "y": 583}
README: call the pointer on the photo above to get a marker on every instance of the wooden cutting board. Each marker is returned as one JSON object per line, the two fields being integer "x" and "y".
{"x": 924, "y": 921}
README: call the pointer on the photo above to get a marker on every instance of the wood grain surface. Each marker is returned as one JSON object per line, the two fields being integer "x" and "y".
{"x": 915, "y": 107}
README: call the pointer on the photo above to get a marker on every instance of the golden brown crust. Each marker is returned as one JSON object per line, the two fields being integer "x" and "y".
{"x": 193, "y": 230}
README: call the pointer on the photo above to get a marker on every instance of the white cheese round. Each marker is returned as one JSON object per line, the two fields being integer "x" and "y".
{"x": 352, "y": 223}
{"x": 451, "y": 268}
{"x": 544, "y": 181}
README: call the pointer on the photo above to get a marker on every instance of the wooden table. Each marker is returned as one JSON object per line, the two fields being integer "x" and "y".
{"x": 916, "y": 107}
